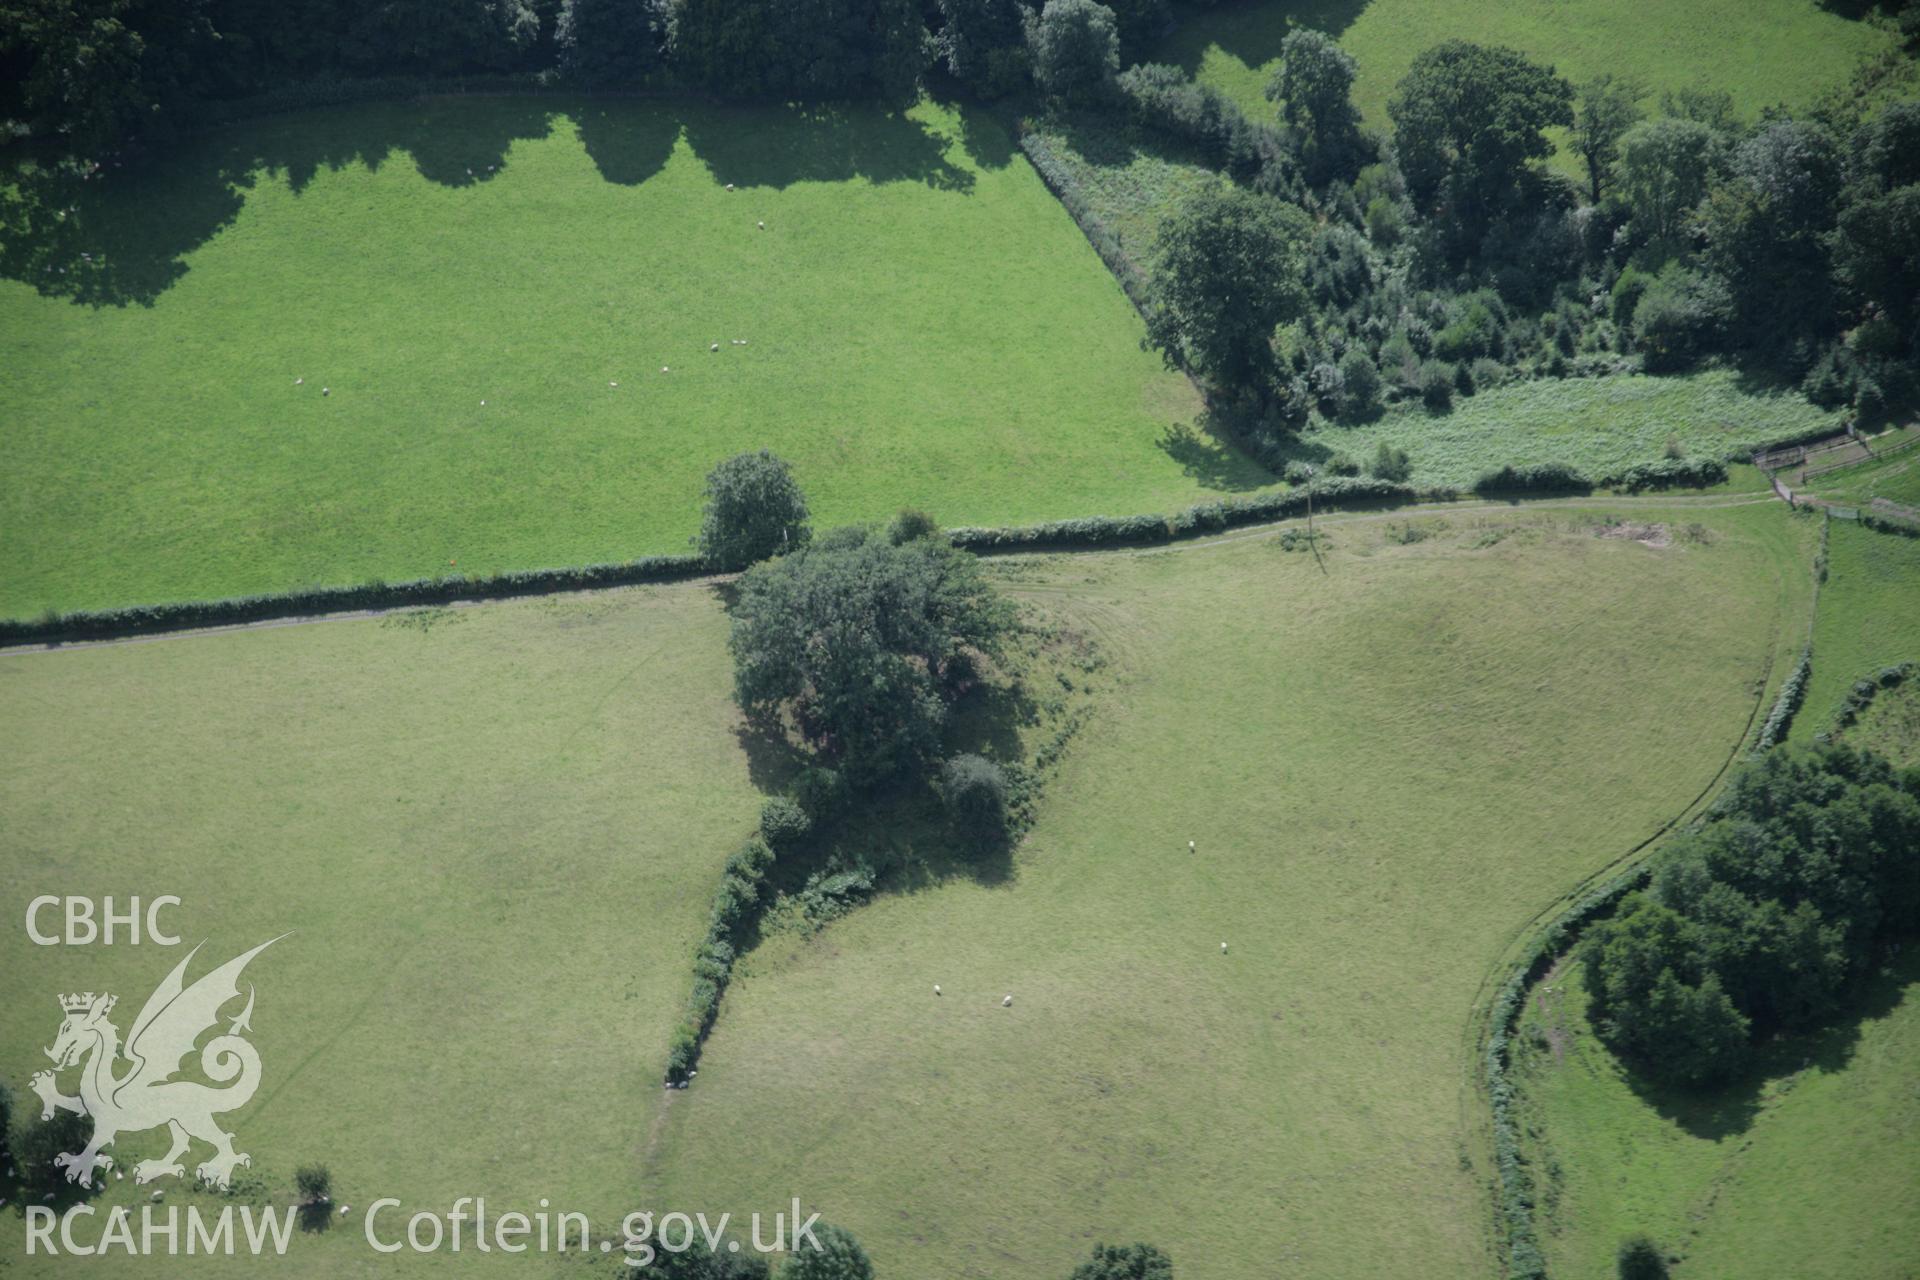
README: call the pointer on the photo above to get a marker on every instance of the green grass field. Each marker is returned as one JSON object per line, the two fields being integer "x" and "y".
{"x": 1869, "y": 617}
{"x": 1763, "y": 52}
{"x": 1890, "y": 725}
{"x": 1389, "y": 765}
{"x": 495, "y": 833}
{"x": 1596, "y": 424}
{"x": 925, "y": 326}
{"x": 1808, "y": 1168}
{"x": 495, "y": 830}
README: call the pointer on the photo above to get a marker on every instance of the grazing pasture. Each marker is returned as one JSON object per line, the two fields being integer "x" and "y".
{"x": 1389, "y": 757}
{"x": 382, "y": 341}
{"x": 1807, "y": 1167}
{"x": 494, "y": 833}
{"x": 1763, "y": 52}
{"x": 1869, "y": 616}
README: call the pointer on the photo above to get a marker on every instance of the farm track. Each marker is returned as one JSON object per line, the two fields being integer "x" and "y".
{"x": 1698, "y": 502}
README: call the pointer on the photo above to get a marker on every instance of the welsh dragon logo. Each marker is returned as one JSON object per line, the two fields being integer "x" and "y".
{"x": 145, "y": 1095}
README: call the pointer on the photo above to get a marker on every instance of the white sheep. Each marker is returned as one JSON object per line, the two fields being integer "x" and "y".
{"x": 1223, "y": 948}
{"x": 299, "y": 382}
{"x": 663, "y": 368}
{"x": 936, "y": 988}
{"x": 714, "y": 347}
{"x": 613, "y": 384}
{"x": 1007, "y": 1003}
{"x": 763, "y": 226}
{"x": 729, "y": 186}
{"x": 344, "y": 1208}
{"x": 326, "y": 391}
{"x": 1191, "y": 846}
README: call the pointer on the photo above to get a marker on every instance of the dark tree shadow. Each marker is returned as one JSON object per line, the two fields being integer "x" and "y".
{"x": 117, "y": 234}
{"x": 1253, "y": 30}
{"x": 1213, "y": 461}
{"x": 986, "y": 139}
{"x": 1730, "y": 1109}
{"x": 316, "y": 1216}
{"x": 627, "y": 142}
{"x": 773, "y": 760}
{"x": 822, "y": 143}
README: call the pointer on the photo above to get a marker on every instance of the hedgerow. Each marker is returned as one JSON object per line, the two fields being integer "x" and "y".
{"x": 1102, "y": 531}
{"x": 1792, "y": 689}
{"x": 1538, "y": 477}
{"x": 180, "y": 615}
{"x": 735, "y": 910}
{"x": 1054, "y": 174}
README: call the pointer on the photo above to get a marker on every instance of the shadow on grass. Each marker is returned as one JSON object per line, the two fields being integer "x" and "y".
{"x": 779, "y": 146}
{"x": 117, "y": 234}
{"x": 1253, "y": 30}
{"x": 1212, "y": 459}
{"x": 1730, "y": 1109}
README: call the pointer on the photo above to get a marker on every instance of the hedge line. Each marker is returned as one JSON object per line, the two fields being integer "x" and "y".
{"x": 1516, "y": 1200}
{"x": 139, "y": 619}
{"x": 1067, "y": 191}
{"x": 1525, "y": 1261}
{"x": 1558, "y": 477}
{"x": 736, "y": 906}
{"x": 1792, "y": 689}
{"x": 1328, "y": 493}
{"x": 1205, "y": 517}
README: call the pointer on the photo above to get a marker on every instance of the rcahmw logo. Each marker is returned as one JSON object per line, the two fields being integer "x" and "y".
{"x": 145, "y": 1095}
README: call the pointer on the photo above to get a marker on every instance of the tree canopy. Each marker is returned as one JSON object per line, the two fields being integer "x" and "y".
{"x": 1231, "y": 267}
{"x": 754, "y": 510}
{"x": 854, "y": 640}
{"x": 1468, "y": 119}
{"x": 1757, "y": 922}
{"x": 1076, "y": 49}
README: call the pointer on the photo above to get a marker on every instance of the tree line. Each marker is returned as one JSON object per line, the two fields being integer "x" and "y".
{"x": 1333, "y": 271}
{"x": 90, "y": 74}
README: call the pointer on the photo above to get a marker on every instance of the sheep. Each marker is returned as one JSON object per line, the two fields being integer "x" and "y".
{"x": 613, "y": 384}
{"x": 344, "y": 1208}
{"x": 663, "y": 369}
{"x": 326, "y": 391}
{"x": 1223, "y": 948}
{"x": 483, "y": 404}
{"x": 714, "y": 347}
{"x": 158, "y": 1196}
{"x": 1191, "y": 847}
{"x": 763, "y": 226}
{"x": 936, "y": 988}
{"x": 1007, "y": 1003}
{"x": 299, "y": 382}
{"x": 729, "y": 186}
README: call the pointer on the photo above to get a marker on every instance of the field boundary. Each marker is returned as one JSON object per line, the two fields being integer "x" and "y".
{"x": 1547, "y": 940}
{"x": 87, "y": 628}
